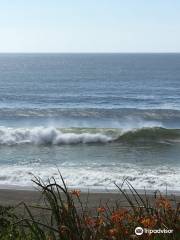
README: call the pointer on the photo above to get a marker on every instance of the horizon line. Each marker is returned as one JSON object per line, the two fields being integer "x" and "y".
{"x": 108, "y": 52}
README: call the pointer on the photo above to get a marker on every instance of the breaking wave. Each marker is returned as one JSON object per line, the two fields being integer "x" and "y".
{"x": 56, "y": 136}
{"x": 154, "y": 134}
{"x": 45, "y": 136}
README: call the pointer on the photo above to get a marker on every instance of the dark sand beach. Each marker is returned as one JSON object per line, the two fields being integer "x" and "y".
{"x": 13, "y": 197}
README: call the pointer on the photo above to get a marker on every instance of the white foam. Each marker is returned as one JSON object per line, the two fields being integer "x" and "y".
{"x": 49, "y": 135}
{"x": 94, "y": 177}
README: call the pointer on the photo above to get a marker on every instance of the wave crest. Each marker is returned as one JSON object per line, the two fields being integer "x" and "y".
{"x": 55, "y": 136}
{"x": 154, "y": 134}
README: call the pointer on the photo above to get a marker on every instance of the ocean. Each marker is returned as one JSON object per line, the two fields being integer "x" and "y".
{"x": 98, "y": 118}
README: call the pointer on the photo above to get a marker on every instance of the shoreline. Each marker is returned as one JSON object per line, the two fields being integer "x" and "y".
{"x": 90, "y": 190}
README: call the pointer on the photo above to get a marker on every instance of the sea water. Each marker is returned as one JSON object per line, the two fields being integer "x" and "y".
{"x": 98, "y": 118}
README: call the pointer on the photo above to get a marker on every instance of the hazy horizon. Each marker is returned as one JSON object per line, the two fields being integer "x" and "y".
{"x": 89, "y": 52}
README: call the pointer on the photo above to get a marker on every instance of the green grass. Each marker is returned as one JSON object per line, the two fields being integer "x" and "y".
{"x": 63, "y": 216}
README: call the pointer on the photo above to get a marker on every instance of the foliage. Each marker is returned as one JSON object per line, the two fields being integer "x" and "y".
{"x": 64, "y": 216}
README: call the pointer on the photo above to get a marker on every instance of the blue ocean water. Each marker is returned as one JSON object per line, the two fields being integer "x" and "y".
{"x": 99, "y": 118}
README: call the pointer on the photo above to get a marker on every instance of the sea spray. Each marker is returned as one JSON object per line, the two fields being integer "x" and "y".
{"x": 57, "y": 136}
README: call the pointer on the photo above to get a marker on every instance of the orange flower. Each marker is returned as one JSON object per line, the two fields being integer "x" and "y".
{"x": 90, "y": 221}
{"x": 119, "y": 215}
{"x": 130, "y": 218}
{"x": 101, "y": 209}
{"x": 163, "y": 203}
{"x": 76, "y": 192}
{"x": 148, "y": 221}
{"x": 99, "y": 221}
{"x": 113, "y": 232}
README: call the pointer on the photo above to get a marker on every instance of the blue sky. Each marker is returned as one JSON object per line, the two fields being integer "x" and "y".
{"x": 90, "y": 26}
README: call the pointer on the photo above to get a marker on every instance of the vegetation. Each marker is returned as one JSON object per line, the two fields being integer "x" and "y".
{"x": 63, "y": 216}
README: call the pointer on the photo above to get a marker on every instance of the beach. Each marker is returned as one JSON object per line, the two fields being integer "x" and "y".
{"x": 99, "y": 120}
{"x": 29, "y": 214}
{"x": 90, "y": 120}
{"x": 12, "y": 197}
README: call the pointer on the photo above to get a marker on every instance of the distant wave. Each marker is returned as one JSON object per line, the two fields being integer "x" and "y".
{"x": 87, "y": 117}
{"x": 58, "y": 136}
{"x": 147, "y": 113}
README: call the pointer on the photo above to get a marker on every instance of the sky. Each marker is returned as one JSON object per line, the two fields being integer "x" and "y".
{"x": 90, "y": 26}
